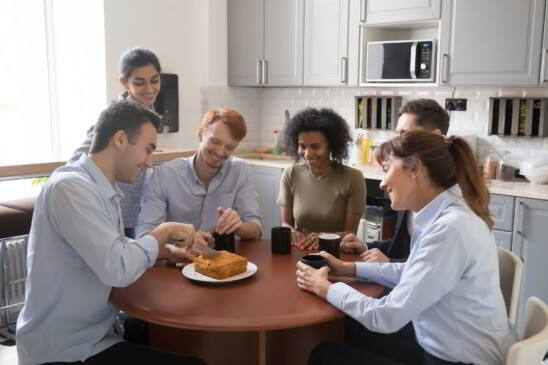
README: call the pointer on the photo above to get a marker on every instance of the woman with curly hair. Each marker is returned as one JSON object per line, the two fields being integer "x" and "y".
{"x": 318, "y": 193}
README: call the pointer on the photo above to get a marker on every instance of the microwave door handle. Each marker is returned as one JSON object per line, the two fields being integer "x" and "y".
{"x": 413, "y": 60}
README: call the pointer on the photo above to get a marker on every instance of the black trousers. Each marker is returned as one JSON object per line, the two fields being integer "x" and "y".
{"x": 130, "y": 353}
{"x": 341, "y": 353}
{"x": 366, "y": 347}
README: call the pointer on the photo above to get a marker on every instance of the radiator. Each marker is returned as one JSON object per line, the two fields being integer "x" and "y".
{"x": 13, "y": 274}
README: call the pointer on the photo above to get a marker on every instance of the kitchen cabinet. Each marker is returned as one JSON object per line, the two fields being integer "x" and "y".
{"x": 395, "y": 11}
{"x": 267, "y": 184}
{"x": 491, "y": 42}
{"x": 530, "y": 243}
{"x": 265, "y": 42}
{"x": 501, "y": 208}
{"x": 326, "y": 42}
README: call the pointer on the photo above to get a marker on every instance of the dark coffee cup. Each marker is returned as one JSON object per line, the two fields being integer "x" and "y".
{"x": 224, "y": 242}
{"x": 330, "y": 243}
{"x": 281, "y": 240}
{"x": 315, "y": 261}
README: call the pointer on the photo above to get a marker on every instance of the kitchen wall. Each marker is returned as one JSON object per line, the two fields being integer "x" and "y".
{"x": 268, "y": 114}
{"x": 179, "y": 32}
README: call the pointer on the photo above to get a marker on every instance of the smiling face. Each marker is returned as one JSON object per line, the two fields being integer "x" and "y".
{"x": 216, "y": 145}
{"x": 400, "y": 183}
{"x": 313, "y": 147}
{"x": 143, "y": 85}
{"x": 136, "y": 155}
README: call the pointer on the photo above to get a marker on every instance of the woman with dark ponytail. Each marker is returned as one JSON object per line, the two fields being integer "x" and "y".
{"x": 449, "y": 287}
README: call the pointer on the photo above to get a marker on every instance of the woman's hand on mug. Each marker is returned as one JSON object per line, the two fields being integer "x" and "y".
{"x": 352, "y": 244}
{"x": 339, "y": 267}
{"x": 313, "y": 280}
{"x": 305, "y": 242}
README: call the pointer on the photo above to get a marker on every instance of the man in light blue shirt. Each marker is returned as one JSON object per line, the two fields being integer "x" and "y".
{"x": 77, "y": 250}
{"x": 211, "y": 190}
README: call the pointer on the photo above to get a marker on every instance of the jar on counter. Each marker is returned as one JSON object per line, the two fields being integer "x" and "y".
{"x": 490, "y": 165}
{"x": 505, "y": 169}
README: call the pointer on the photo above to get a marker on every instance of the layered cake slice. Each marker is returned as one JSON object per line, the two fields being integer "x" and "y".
{"x": 222, "y": 266}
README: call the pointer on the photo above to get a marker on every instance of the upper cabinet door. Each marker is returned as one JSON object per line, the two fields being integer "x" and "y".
{"x": 245, "y": 41}
{"x": 491, "y": 42}
{"x": 395, "y": 11}
{"x": 284, "y": 27}
{"x": 544, "y": 55}
{"x": 326, "y": 43}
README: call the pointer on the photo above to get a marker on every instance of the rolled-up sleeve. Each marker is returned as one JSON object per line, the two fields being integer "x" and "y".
{"x": 356, "y": 199}
{"x": 116, "y": 260}
{"x": 154, "y": 205}
{"x": 285, "y": 196}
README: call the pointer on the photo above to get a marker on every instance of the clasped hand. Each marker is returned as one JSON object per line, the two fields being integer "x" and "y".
{"x": 352, "y": 244}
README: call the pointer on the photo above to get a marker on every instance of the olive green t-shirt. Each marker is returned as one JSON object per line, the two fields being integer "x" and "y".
{"x": 321, "y": 204}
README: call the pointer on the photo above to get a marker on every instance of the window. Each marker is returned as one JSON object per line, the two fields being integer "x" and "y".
{"x": 52, "y": 69}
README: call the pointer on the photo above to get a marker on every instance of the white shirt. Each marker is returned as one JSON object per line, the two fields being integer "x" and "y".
{"x": 174, "y": 193}
{"x": 77, "y": 252}
{"x": 449, "y": 287}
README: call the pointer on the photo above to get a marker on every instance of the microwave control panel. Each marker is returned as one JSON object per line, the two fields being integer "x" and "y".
{"x": 425, "y": 56}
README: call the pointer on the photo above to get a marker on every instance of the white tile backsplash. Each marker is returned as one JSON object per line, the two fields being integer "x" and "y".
{"x": 263, "y": 109}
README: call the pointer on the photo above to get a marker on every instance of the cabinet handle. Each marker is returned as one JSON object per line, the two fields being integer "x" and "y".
{"x": 265, "y": 72}
{"x": 519, "y": 229}
{"x": 444, "y": 67}
{"x": 361, "y": 58}
{"x": 344, "y": 70}
{"x": 363, "y": 8}
{"x": 543, "y": 69}
{"x": 259, "y": 72}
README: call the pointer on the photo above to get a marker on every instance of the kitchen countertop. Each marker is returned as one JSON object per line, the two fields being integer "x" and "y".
{"x": 517, "y": 188}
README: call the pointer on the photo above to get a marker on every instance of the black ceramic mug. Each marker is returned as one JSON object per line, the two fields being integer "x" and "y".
{"x": 281, "y": 240}
{"x": 224, "y": 242}
{"x": 315, "y": 261}
{"x": 330, "y": 243}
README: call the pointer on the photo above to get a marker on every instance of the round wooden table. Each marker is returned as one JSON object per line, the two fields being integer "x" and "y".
{"x": 242, "y": 322}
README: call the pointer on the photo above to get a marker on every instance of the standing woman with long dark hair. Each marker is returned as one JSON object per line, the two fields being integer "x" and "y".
{"x": 449, "y": 287}
{"x": 140, "y": 76}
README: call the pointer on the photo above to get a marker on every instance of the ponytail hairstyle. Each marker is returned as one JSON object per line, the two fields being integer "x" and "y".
{"x": 448, "y": 161}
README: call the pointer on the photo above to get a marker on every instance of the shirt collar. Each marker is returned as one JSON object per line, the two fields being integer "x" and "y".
{"x": 436, "y": 206}
{"x": 220, "y": 173}
{"x": 106, "y": 189}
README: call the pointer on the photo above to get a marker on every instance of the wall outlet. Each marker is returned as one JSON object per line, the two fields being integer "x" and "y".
{"x": 458, "y": 105}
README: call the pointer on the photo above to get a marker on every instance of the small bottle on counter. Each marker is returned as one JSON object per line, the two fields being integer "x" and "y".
{"x": 505, "y": 169}
{"x": 490, "y": 165}
{"x": 365, "y": 146}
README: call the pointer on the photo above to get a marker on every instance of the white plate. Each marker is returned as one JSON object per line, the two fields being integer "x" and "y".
{"x": 190, "y": 273}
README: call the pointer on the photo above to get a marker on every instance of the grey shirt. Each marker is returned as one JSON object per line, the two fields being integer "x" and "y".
{"x": 77, "y": 252}
{"x": 175, "y": 193}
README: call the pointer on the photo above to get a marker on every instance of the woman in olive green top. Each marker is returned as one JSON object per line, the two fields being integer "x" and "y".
{"x": 318, "y": 193}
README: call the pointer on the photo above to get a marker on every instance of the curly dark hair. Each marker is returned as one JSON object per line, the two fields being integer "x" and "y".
{"x": 326, "y": 121}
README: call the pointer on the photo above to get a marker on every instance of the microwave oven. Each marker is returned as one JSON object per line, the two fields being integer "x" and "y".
{"x": 401, "y": 61}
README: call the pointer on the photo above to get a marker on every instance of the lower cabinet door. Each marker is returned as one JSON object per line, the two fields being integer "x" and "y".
{"x": 267, "y": 184}
{"x": 503, "y": 239}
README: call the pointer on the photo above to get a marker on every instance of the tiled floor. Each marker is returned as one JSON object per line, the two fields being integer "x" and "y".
{"x": 8, "y": 355}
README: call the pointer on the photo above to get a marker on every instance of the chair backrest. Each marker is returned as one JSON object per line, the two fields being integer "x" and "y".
{"x": 534, "y": 345}
{"x": 510, "y": 270}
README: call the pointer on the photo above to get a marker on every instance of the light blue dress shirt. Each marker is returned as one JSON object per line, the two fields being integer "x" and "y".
{"x": 175, "y": 193}
{"x": 449, "y": 287}
{"x": 77, "y": 252}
